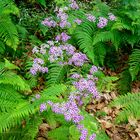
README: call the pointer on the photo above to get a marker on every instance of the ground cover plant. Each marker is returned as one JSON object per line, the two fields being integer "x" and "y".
{"x": 69, "y": 70}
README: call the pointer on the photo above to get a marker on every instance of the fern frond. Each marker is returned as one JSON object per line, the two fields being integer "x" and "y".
{"x": 52, "y": 93}
{"x": 124, "y": 84}
{"x": 56, "y": 74}
{"x": 113, "y": 36}
{"x": 124, "y": 100}
{"x": 60, "y": 133}
{"x": 32, "y": 128}
{"x": 8, "y": 7}
{"x": 130, "y": 104}
{"x": 14, "y": 117}
{"x": 9, "y": 77}
{"x": 99, "y": 53}
{"x": 84, "y": 37}
{"x": 134, "y": 63}
{"x": 8, "y": 32}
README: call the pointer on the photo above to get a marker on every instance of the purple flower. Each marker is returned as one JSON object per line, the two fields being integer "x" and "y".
{"x": 49, "y": 22}
{"x": 33, "y": 71}
{"x": 73, "y": 4}
{"x": 76, "y": 76}
{"x": 44, "y": 70}
{"x": 80, "y": 127}
{"x": 37, "y": 96}
{"x": 112, "y": 17}
{"x": 69, "y": 49}
{"x": 84, "y": 134}
{"x": 58, "y": 38}
{"x": 64, "y": 37}
{"x": 38, "y": 61}
{"x": 42, "y": 50}
{"x": 78, "y": 21}
{"x": 78, "y": 59}
{"x": 67, "y": 116}
{"x": 102, "y": 22}
{"x": 92, "y": 137}
{"x": 51, "y": 43}
{"x": 63, "y": 16}
{"x": 35, "y": 50}
{"x": 55, "y": 53}
{"x": 93, "y": 69}
{"x": 43, "y": 107}
{"x": 91, "y": 18}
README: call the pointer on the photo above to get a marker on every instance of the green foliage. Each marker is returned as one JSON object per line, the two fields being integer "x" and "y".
{"x": 8, "y": 31}
{"x": 56, "y": 74}
{"x": 125, "y": 82}
{"x": 60, "y": 133}
{"x": 130, "y": 105}
{"x": 83, "y": 35}
{"x": 106, "y": 83}
{"x": 15, "y": 107}
{"x": 42, "y": 2}
{"x": 134, "y": 63}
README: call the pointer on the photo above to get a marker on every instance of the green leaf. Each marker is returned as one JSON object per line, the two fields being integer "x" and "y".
{"x": 9, "y": 65}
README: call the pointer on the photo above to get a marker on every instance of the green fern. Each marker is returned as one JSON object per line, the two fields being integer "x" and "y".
{"x": 125, "y": 81}
{"x": 9, "y": 77}
{"x": 134, "y": 63}
{"x": 8, "y": 31}
{"x": 61, "y": 133}
{"x": 52, "y": 93}
{"x": 84, "y": 37}
{"x": 114, "y": 36}
{"x": 32, "y": 128}
{"x": 130, "y": 104}
{"x": 19, "y": 109}
{"x": 56, "y": 74}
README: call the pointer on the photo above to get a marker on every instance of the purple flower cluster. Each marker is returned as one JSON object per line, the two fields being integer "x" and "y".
{"x": 49, "y": 22}
{"x": 55, "y": 53}
{"x": 70, "y": 50}
{"x": 93, "y": 69}
{"x": 78, "y": 59}
{"x": 78, "y": 21}
{"x": 41, "y": 49}
{"x": 87, "y": 86}
{"x": 63, "y": 17}
{"x": 37, "y": 67}
{"x": 69, "y": 109}
{"x": 43, "y": 107}
{"x": 92, "y": 137}
{"x": 102, "y": 22}
{"x": 62, "y": 37}
{"x": 75, "y": 76}
{"x": 35, "y": 50}
{"x": 84, "y": 133}
{"x": 37, "y": 96}
{"x": 112, "y": 17}
{"x": 73, "y": 4}
{"x": 91, "y": 18}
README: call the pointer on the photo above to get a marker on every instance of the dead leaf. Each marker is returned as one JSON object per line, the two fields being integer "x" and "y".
{"x": 133, "y": 136}
{"x": 138, "y": 131}
{"x": 105, "y": 124}
{"x": 44, "y": 127}
{"x": 100, "y": 105}
{"x": 132, "y": 121}
{"x": 107, "y": 110}
{"x": 41, "y": 138}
